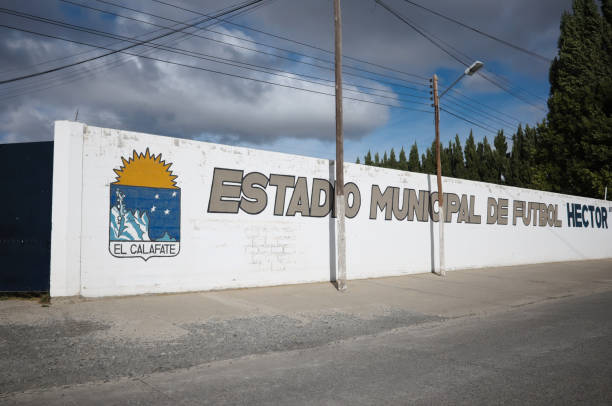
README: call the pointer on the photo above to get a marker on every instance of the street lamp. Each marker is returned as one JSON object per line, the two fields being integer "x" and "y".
{"x": 473, "y": 68}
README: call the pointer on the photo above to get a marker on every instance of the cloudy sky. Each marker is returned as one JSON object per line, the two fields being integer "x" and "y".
{"x": 208, "y": 95}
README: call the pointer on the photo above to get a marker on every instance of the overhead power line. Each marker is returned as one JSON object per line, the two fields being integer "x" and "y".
{"x": 455, "y": 57}
{"x": 212, "y": 58}
{"x": 245, "y": 39}
{"x": 454, "y": 99}
{"x": 467, "y": 60}
{"x": 476, "y": 101}
{"x": 509, "y": 91}
{"x": 224, "y": 73}
{"x": 189, "y": 52}
{"x": 510, "y": 84}
{"x": 476, "y": 30}
{"x": 419, "y": 31}
{"x": 216, "y": 22}
{"x": 284, "y": 38}
{"x": 483, "y": 126}
{"x": 31, "y": 75}
{"x": 495, "y": 122}
{"x": 263, "y": 69}
{"x": 326, "y": 61}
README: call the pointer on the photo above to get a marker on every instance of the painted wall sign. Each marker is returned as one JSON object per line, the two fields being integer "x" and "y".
{"x": 145, "y": 209}
{"x": 232, "y": 191}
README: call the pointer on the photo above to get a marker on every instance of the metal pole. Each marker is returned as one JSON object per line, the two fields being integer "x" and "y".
{"x": 340, "y": 197}
{"x": 441, "y": 217}
{"x": 452, "y": 84}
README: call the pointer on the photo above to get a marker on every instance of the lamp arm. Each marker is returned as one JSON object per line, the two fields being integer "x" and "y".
{"x": 453, "y": 84}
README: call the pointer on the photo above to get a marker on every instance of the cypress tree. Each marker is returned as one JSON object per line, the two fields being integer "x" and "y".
{"x": 500, "y": 157}
{"x": 376, "y": 159}
{"x": 446, "y": 159}
{"x": 486, "y": 167}
{"x": 528, "y": 156}
{"x": 385, "y": 160}
{"x": 413, "y": 162}
{"x": 578, "y": 147}
{"x": 515, "y": 158}
{"x": 368, "y": 158}
{"x": 480, "y": 161}
{"x": 457, "y": 162}
{"x": 429, "y": 160}
{"x": 606, "y": 9}
{"x": 472, "y": 162}
{"x": 403, "y": 162}
{"x": 392, "y": 163}
{"x": 540, "y": 178}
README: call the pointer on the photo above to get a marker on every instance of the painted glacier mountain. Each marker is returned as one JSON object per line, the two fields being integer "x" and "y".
{"x": 129, "y": 226}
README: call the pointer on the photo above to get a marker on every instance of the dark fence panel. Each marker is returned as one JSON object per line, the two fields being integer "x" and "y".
{"x": 26, "y": 175}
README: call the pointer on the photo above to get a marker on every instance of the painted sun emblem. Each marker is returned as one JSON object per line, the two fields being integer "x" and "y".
{"x": 145, "y": 170}
{"x": 144, "y": 208}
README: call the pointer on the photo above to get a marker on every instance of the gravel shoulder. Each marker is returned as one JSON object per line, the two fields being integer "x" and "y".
{"x": 134, "y": 341}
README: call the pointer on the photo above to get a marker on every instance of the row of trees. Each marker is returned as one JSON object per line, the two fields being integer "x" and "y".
{"x": 571, "y": 150}
{"x": 476, "y": 161}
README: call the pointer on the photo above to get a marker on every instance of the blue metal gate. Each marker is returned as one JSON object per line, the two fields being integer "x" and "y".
{"x": 26, "y": 174}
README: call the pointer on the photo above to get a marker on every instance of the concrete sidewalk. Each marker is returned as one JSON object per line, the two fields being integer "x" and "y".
{"x": 460, "y": 293}
{"x": 78, "y": 341}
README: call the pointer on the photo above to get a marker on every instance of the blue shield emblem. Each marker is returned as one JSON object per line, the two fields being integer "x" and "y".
{"x": 145, "y": 209}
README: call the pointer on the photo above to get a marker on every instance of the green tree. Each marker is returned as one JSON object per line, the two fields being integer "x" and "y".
{"x": 528, "y": 154}
{"x": 414, "y": 165}
{"x": 606, "y": 9}
{"x": 500, "y": 156}
{"x": 368, "y": 158}
{"x": 376, "y": 159}
{"x": 518, "y": 140}
{"x": 392, "y": 163}
{"x": 385, "y": 160}
{"x": 480, "y": 161}
{"x": 577, "y": 150}
{"x": 457, "y": 162}
{"x": 357, "y": 161}
{"x": 539, "y": 175}
{"x": 486, "y": 167}
{"x": 523, "y": 162}
{"x": 429, "y": 160}
{"x": 403, "y": 162}
{"x": 472, "y": 162}
{"x": 445, "y": 159}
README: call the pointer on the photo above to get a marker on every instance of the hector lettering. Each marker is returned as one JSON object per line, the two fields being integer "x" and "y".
{"x": 586, "y": 216}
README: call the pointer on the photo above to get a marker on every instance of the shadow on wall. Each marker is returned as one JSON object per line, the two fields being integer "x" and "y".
{"x": 431, "y": 230}
{"x": 332, "y": 227}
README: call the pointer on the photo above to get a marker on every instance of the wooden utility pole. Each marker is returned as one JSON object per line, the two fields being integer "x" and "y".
{"x": 441, "y": 216}
{"x": 340, "y": 197}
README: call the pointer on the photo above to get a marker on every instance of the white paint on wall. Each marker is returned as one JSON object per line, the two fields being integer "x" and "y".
{"x": 66, "y": 209}
{"x": 221, "y": 250}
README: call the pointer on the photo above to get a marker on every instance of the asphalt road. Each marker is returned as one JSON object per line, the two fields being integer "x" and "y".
{"x": 545, "y": 350}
